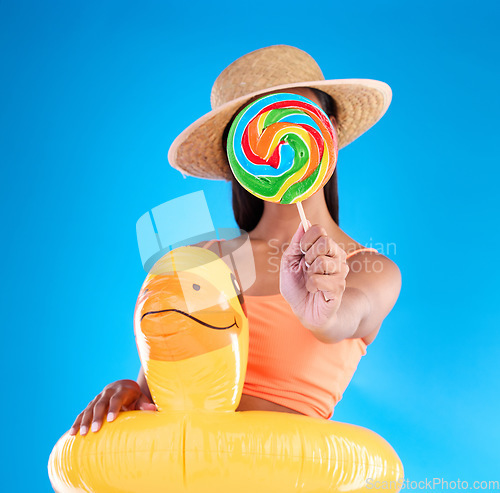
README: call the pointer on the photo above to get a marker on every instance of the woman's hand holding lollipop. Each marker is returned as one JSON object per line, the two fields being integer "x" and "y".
{"x": 313, "y": 275}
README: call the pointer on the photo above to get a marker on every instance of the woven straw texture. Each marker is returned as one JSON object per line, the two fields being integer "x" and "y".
{"x": 199, "y": 151}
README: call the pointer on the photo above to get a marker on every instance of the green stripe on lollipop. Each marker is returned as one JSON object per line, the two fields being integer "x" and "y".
{"x": 276, "y": 115}
{"x": 269, "y": 186}
{"x": 298, "y": 189}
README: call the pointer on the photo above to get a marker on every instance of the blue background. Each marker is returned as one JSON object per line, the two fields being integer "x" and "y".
{"x": 92, "y": 95}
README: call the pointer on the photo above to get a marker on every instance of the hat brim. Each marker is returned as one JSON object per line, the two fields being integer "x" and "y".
{"x": 198, "y": 151}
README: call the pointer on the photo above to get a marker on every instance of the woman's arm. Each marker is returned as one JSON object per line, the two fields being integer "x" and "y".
{"x": 373, "y": 285}
{"x": 334, "y": 297}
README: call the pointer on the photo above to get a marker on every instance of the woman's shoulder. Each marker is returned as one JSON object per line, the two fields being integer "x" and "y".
{"x": 347, "y": 243}
{"x": 374, "y": 253}
{"x": 375, "y": 261}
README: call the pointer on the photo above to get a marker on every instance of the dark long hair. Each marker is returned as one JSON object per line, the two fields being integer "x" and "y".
{"x": 248, "y": 208}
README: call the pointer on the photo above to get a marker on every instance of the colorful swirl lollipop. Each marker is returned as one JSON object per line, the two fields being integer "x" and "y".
{"x": 282, "y": 148}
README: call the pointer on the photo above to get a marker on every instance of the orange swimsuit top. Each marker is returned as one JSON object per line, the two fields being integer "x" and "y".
{"x": 289, "y": 366}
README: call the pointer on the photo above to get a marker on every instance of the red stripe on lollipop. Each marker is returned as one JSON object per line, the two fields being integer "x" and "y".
{"x": 274, "y": 159}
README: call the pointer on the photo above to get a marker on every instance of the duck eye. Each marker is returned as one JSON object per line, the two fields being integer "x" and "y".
{"x": 196, "y": 287}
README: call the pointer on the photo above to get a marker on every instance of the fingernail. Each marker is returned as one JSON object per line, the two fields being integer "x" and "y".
{"x": 83, "y": 430}
{"x": 95, "y": 426}
{"x": 110, "y": 417}
{"x": 72, "y": 430}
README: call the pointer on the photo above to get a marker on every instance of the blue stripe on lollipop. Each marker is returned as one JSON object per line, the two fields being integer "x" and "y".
{"x": 287, "y": 154}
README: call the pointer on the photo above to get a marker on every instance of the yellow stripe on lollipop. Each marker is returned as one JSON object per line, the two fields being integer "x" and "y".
{"x": 294, "y": 177}
{"x": 263, "y": 142}
{"x": 300, "y": 174}
{"x": 281, "y": 132}
{"x": 325, "y": 161}
{"x": 261, "y": 121}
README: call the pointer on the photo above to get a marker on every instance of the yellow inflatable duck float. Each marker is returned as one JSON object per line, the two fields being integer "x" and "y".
{"x": 192, "y": 336}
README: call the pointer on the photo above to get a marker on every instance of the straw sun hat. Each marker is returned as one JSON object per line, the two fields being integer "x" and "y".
{"x": 198, "y": 150}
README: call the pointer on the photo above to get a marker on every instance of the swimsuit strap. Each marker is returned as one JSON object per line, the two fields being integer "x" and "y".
{"x": 365, "y": 249}
{"x": 208, "y": 244}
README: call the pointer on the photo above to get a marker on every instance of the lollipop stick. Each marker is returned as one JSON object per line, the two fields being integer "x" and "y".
{"x": 302, "y": 216}
{"x": 306, "y": 227}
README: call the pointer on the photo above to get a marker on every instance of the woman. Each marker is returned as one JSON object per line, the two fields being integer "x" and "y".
{"x": 310, "y": 319}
